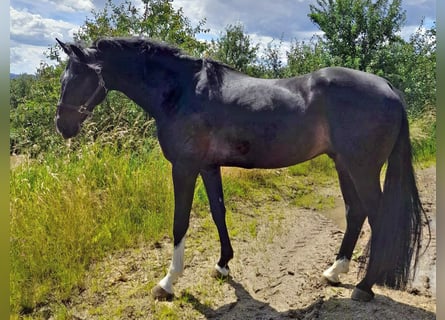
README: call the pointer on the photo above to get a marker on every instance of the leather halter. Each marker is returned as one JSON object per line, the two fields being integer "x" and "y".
{"x": 85, "y": 108}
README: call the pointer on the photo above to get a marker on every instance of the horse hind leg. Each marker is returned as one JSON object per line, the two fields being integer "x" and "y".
{"x": 367, "y": 185}
{"x": 355, "y": 216}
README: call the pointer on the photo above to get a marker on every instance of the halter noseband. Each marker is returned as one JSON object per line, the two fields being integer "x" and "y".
{"x": 85, "y": 108}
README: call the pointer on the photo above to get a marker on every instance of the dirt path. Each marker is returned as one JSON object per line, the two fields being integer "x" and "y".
{"x": 275, "y": 276}
{"x": 289, "y": 286}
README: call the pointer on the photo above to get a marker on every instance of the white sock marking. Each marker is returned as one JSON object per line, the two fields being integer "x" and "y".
{"x": 339, "y": 266}
{"x": 176, "y": 268}
{"x": 223, "y": 271}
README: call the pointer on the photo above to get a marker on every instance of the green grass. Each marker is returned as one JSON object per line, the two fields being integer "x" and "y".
{"x": 65, "y": 213}
{"x": 423, "y": 139}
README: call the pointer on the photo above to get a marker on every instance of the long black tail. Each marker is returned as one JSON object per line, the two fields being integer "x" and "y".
{"x": 401, "y": 216}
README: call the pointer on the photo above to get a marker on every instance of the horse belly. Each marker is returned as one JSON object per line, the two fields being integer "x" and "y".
{"x": 284, "y": 155}
{"x": 283, "y": 150}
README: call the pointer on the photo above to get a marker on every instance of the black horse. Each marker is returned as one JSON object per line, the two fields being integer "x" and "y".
{"x": 209, "y": 115}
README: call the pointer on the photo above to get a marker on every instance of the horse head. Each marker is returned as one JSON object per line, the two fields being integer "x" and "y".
{"x": 82, "y": 88}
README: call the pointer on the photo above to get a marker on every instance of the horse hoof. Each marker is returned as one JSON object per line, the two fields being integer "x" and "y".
{"x": 160, "y": 294}
{"x": 331, "y": 274}
{"x": 361, "y": 295}
{"x": 331, "y": 278}
{"x": 218, "y": 275}
{"x": 330, "y": 282}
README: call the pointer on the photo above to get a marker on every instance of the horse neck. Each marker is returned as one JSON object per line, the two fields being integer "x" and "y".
{"x": 134, "y": 89}
{"x": 135, "y": 82}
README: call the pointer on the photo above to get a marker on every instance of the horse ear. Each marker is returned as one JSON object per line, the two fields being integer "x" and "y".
{"x": 79, "y": 53}
{"x": 65, "y": 48}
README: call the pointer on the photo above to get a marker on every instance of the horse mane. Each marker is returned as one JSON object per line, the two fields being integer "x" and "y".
{"x": 139, "y": 44}
{"x": 151, "y": 47}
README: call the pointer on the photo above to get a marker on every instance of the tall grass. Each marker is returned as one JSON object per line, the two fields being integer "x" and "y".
{"x": 67, "y": 212}
{"x": 423, "y": 138}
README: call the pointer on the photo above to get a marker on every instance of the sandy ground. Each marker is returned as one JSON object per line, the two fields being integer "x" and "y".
{"x": 277, "y": 275}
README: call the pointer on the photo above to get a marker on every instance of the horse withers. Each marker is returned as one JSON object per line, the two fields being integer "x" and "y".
{"x": 209, "y": 115}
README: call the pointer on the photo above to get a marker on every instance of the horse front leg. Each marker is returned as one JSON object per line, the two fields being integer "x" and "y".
{"x": 213, "y": 184}
{"x": 184, "y": 179}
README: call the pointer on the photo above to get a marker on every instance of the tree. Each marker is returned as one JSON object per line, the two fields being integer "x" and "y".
{"x": 158, "y": 20}
{"x": 420, "y": 85}
{"x": 20, "y": 89}
{"x": 235, "y": 48}
{"x": 304, "y": 57}
{"x": 355, "y": 30}
{"x": 271, "y": 63}
{"x": 161, "y": 21}
{"x": 31, "y": 118}
{"x": 411, "y": 67}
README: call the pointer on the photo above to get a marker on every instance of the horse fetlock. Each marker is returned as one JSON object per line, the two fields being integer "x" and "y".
{"x": 339, "y": 266}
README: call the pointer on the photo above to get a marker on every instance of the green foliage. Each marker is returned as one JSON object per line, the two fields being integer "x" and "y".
{"x": 271, "y": 63}
{"x": 20, "y": 88}
{"x": 158, "y": 20}
{"x": 32, "y": 115}
{"x": 423, "y": 137}
{"x": 420, "y": 86}
{"x": 355, "y": 30}
{"x": 235, "y": 48}
{"x": 112, "y": 21}
{"x": 411, "y": 67}
{"x": 305, "y": 57}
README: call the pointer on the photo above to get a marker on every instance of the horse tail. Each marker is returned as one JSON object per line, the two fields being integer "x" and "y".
{"x": 401, "y": 214}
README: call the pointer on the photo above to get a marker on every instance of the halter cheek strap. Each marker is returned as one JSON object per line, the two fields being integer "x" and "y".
{"x": 86, "y": 108}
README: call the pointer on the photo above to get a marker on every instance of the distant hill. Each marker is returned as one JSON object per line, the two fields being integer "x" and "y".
{"x": 14, "y": 75}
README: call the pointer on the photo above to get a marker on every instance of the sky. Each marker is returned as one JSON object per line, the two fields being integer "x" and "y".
{"x": 34, "y": 24}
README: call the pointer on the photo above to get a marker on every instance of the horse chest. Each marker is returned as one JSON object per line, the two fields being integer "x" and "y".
{"x": 185, "y": 138}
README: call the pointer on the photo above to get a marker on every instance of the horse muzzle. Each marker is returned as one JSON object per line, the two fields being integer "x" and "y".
{"x": 65, "y": 129}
